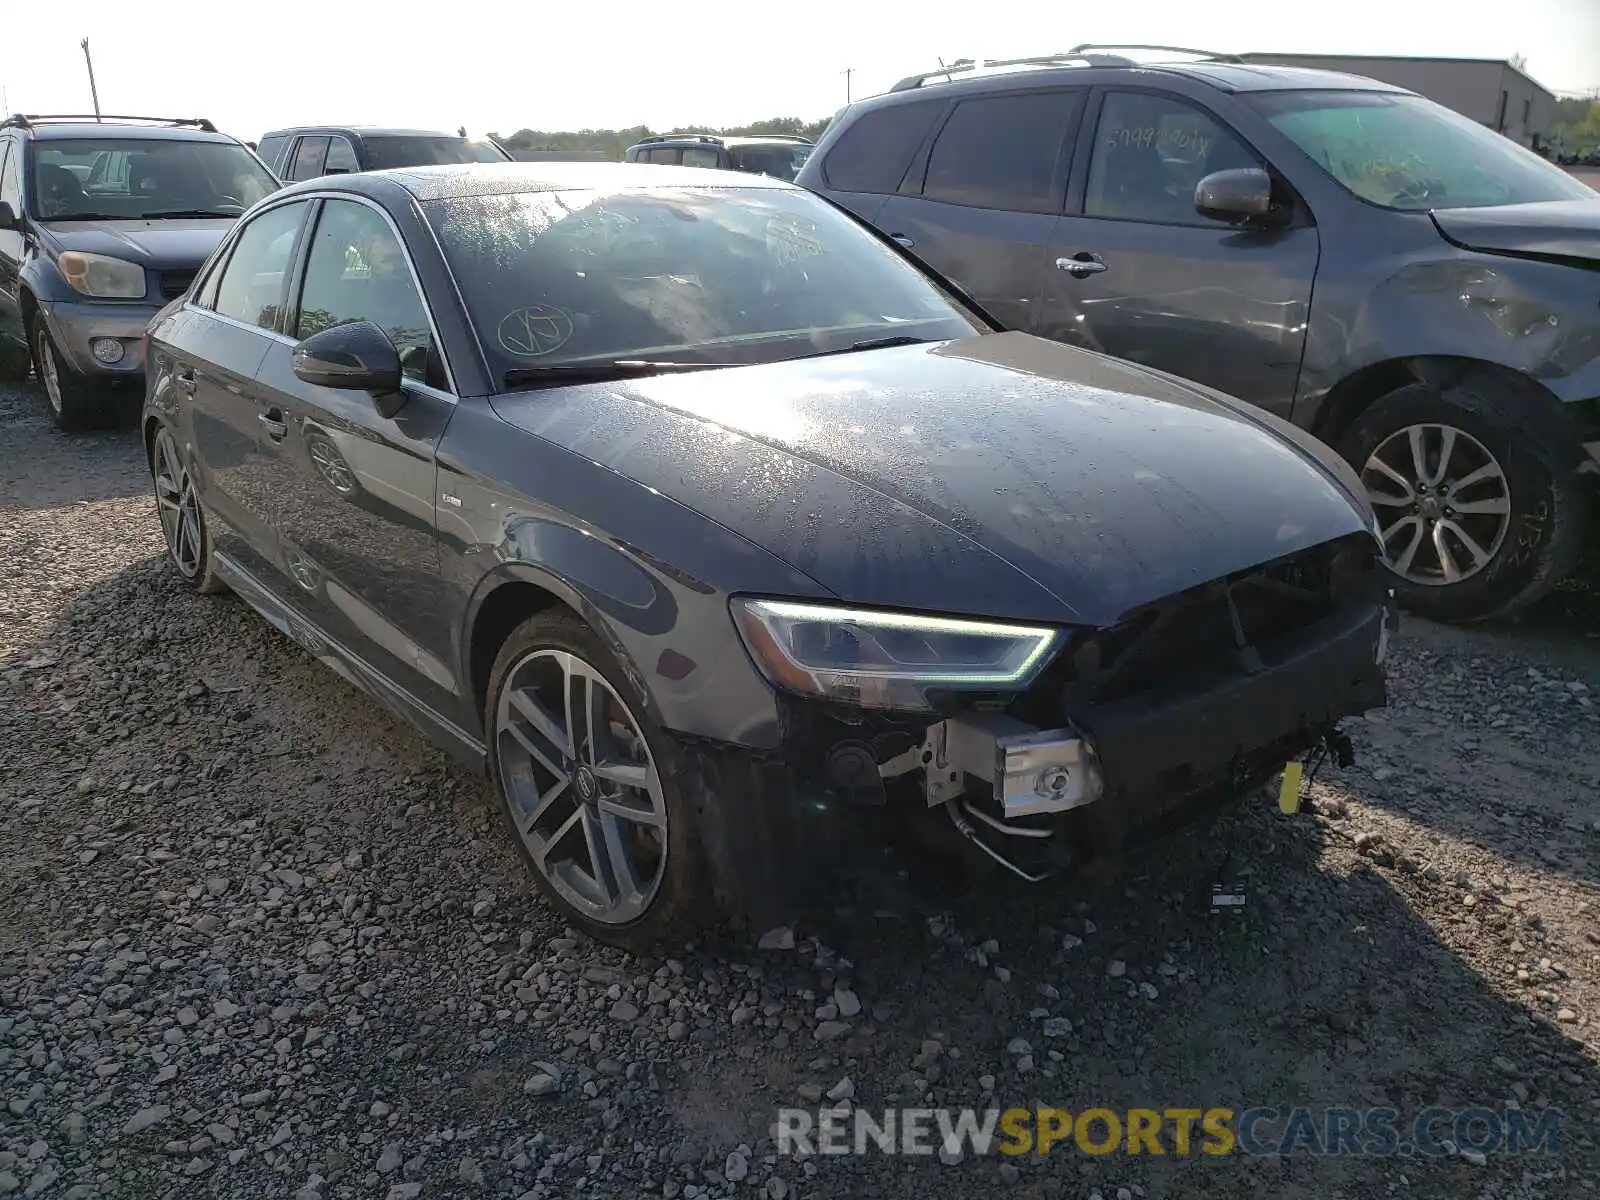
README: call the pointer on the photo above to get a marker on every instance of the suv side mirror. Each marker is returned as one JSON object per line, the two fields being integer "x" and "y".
{"x": 8, "y": 215}
{"x": 1238, "y": 196}
{"x": 357, "y": 357}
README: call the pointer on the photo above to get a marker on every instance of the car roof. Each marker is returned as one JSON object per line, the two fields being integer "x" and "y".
{"x": 450, "y": 181}
{"x": 50, "y": 132}
{"x": 359, "y": 131}
{"x": 1224, "y": 76}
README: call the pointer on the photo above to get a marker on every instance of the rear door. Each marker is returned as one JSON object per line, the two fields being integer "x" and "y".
{"x": 216, "y": 345}
{"x": 353, "y": 475}
{"x": 309, "y": 153}
{"x": 990, "y": 196}
{"x": 874, "y": 153}
{"x": 1139, "y": 274}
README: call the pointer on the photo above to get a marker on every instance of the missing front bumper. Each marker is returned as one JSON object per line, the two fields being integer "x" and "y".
{"x": 1029, "y": 771}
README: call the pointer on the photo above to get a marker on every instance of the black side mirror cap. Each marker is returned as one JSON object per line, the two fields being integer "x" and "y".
{"x": 8, "y": 215}
{"x": 354, "y": 357}
{"x": 1239, "y": 196}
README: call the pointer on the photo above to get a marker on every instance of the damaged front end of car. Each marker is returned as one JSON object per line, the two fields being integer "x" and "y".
{"x": 1040, "y": 748}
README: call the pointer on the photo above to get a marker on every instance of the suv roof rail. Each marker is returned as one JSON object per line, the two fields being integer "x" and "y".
{"x": 1209, "y": 55}
{"x": 28, "y": 120}
{"x": 779, "y": 137}
{"x": 962, "y": 65}
{"x": 678, "y": 137}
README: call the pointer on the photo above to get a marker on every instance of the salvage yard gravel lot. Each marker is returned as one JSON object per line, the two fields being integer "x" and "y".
{"x": 257, "y": 939}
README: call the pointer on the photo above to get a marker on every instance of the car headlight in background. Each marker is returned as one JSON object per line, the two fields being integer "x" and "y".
{"x": 886, "y": 659}
{"x": 102, "y": 276}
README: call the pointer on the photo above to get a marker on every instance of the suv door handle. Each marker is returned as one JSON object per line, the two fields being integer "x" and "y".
{"x": 1081, "y": 265}
{"x": 900, "y": 239}
{"x": 272, "y": 421}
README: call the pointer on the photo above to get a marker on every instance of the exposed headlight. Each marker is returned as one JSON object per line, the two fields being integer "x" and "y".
{"x": 101, "y": 276}
{"x": 886, "y": 659}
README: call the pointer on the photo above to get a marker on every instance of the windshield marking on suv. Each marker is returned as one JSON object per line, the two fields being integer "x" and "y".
{"x": 1403, "y": 152}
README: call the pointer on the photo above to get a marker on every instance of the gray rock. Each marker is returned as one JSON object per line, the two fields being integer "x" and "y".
{"x": 736, "y": 1167}
{"x": 146, "y": 1118}
{"x": 390, "y": 1159}
{"x": 829, "y": 1031}
{"x": 781, "y": 938}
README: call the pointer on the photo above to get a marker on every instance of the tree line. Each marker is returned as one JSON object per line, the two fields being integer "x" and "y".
{"x": 1577, "y": 123}
{"x": 613, "y": 142}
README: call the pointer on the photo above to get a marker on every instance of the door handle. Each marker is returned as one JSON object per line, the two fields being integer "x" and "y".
{"x": 272, "y": 421}
{"x": 1081, "y": 265}
{"x": 900, "y": 239}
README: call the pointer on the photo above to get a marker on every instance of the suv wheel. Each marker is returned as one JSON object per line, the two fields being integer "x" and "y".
{"x": 1478, "y": 520}
{"x": 74, "y": 402}
{"x": 591, "y": 788}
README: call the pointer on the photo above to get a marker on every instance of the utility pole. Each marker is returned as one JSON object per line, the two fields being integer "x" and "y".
{"x": 94, "y": 93}
{"x": 848, "y": 71}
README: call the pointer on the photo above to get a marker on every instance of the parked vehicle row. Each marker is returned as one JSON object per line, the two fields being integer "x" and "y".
{"x": 1409, "y": 286}
{"x": 778, "y": 155}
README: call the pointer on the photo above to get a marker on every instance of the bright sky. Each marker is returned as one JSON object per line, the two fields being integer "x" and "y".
{"x": 594, "y": 64}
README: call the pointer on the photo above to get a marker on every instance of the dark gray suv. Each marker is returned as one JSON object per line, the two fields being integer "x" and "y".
{"x": 1407, "y": 285}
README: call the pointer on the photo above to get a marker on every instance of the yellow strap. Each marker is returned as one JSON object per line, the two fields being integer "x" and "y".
{"x": 1289, "y": 793}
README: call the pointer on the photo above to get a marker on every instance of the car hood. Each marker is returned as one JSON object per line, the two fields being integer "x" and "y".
{"x": 1553, "y": 229}
{"x": 1005, "y": 475}
{"x": 165, "y": 244}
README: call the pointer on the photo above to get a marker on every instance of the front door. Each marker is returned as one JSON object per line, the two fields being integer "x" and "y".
{"x": 354, "y": 474}
{"x": 993, "y": 191}
{"x": 217, "y": 344}
{"x": 1139, "y": 274}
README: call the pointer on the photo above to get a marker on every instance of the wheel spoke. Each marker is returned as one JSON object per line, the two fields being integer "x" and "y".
{"x": 600, "y": 857}
{"x": 1407, "y": 492}
{"x": 639, "y": 816}
{"x": 1489, "y": 470}
{"x": 624, "y": 883}
{"x": 526, "y": 821}
{"x": 630, "y": 775}
{"x": 1468, "y": 543}
{"x": 591, "y": 718}
{"x": 1447, "y": 562}
{"x": 1447, "y": 446}
{"x": 1419, "y": 453}
{"x": 1402, "y": 564}
{"x": 543, "y": 847}
{"x": 534, "y": 750}
{"x": 532, "y": 710}
{"x": 1497, "y": 505}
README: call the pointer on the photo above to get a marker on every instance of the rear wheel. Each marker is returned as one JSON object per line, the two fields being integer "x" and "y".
{"x": 1478, "y": 519}
{"x": 75, "y": 402}
{"x": 183, "y": 519}
{"x": 591, "y": 788}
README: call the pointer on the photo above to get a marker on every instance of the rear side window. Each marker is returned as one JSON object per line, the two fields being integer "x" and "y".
{"x": 251, "y": 289}
{"x": 1001, "y": 152}
{"x": 873, "y": 153}
{"x": 308, "y": 156}
{"x": 662, "y": 154}
{"x": 341, "y": 157}
{"x": 271, "y": 150}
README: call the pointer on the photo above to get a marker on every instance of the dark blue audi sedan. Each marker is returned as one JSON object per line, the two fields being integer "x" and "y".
{"x": 710, "y": 525}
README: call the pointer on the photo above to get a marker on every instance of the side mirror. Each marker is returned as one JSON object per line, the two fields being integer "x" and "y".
{"x": 1237, "y": 196}
{"x": 357, "y": 357}
{"x": 8, "y": 215}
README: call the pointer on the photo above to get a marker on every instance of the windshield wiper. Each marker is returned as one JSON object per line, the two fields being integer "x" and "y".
{"x": 184, "y": 212}
{"x": 559, "y": 374}
{"x": 85, "y": 217}
{"x": 877, "y": 343}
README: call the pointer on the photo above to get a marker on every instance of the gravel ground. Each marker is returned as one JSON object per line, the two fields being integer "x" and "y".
{"x": 258, "y": 940}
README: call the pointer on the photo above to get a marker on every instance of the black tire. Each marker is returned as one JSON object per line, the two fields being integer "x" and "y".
{"x": 189, "y": 555}
{"x": 1547, "y": 513}
{"x": 76, "y": 403}
{"x": 680, "y": 906}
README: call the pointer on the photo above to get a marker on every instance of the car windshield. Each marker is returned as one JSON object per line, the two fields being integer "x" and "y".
{"x": 81, "y": 179}
{"x": 780, "y": 161}
{"x": 421, "y": 151}
{"x": 685, "y": 274}
{"x": 1404, "y": 152}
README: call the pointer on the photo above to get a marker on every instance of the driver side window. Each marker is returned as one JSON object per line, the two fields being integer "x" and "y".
{"x": 1149, "y": 153}
{"x": 252, "y": 283}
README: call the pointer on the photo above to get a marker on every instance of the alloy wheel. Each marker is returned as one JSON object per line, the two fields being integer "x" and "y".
{"x": 582, "y": 786}
{"x": 49, "y": 371}
{"x": 1442, "y": 500}
{"x": 179, "y": 506}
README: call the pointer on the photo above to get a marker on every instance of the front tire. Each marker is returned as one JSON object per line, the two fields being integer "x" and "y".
{"x": 591, "y": 788}
{"x": 1478, "y": 518}
{"x": 183, "y": 517}
{"x": 75, "y": 402}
